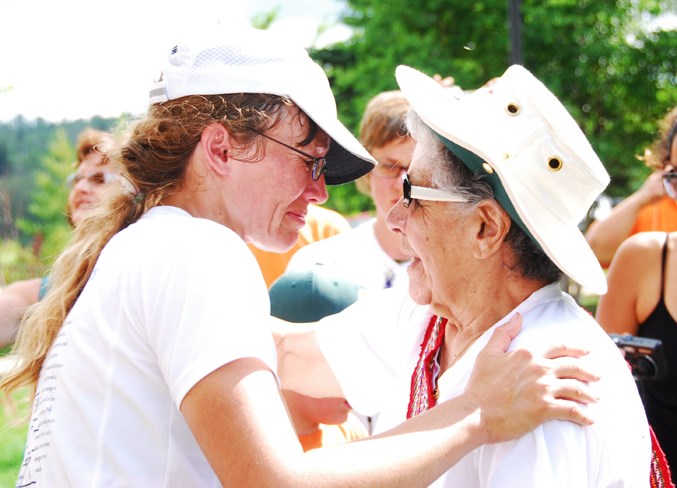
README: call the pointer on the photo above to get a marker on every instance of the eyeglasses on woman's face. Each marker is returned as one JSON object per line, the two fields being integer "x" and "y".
{"x": 316, "y": 166}
{"x": 95, "y": 178}
{"x": 412, "y": 192}
{"x": 388, "y": 171}
{"x": 670, "y": 184}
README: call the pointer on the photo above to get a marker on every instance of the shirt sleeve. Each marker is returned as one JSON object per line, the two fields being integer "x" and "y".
{"x": 363, "y": 346}
{"x": 207, "y": 307}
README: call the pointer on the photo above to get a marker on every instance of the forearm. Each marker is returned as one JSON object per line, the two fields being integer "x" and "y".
{"x": 301, "y": 365}
{"x": 410, "y": 455}
{"x": 508, "y": 395}
{"x": 11, "y": 313}
{"x": 14, "y": 301}
{"x": 604, "y": 236}
{"x": 237, "y": 416}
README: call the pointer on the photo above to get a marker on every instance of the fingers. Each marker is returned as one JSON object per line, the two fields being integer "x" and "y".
{"x": 573, "y": 390}
{"x": 446, "y": 82}
{"x": 566, "y": 363}
{"x": 573, "y": 368}
{"x": 518, "y": 390}
{"x": 571, "y": 411}
{"x": 503, "y": 335}
{"x": 563, "y": 350}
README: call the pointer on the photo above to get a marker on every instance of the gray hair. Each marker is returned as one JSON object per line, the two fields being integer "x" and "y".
{"x": 449, "y": 173}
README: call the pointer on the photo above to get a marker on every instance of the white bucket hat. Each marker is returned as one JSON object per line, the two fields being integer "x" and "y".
{"x": 226, "y": 60}
{"x": 542, "y": 168}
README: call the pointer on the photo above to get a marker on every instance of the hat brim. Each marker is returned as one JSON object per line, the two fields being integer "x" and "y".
{"x": 563, "y": 243}
{"x": 347, "y": 159}
{"x": 247, "y": 60}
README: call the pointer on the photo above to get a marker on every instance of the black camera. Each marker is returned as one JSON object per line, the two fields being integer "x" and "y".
{"x": 645, "y": 356}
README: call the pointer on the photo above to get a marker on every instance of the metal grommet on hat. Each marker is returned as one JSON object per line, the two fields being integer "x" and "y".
{"x": 512, "y": 108}
{"x": 531, "y": 186}
{"x": 555, "y": 163}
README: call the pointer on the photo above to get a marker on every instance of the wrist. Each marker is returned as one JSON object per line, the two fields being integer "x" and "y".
{"x": 642, "y": 198}
{"x": 477, "y": 424}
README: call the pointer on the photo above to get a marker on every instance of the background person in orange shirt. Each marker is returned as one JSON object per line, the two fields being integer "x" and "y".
{"x": 648, "y": 209}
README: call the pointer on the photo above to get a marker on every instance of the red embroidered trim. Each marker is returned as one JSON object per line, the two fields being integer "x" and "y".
{"x": 421, "y": 392}
{"x": 421, "y": 398}
{"x": 660, "y": 471}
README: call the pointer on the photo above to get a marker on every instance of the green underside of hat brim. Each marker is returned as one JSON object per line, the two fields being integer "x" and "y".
{"x": 474, "y": 163}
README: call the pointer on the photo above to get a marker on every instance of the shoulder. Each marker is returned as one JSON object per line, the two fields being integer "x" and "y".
{"x": 323, "y": 222}
{"x": 179, "y": 228}
{"x": 319, "y": 252}
{"x": 642, "y": 245}
{"x": 28, "y": 290}
{"x": 344, "y": 246}
{"x": 172, "y": 238}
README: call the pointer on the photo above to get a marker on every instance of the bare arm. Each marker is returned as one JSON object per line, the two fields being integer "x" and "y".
{"x": 633, "y": 275}
{"x": 239, "y": 420}
{"x": 604, "y": 236}
{"x": 14, "y": 301}
{"x": 301, "y": 365}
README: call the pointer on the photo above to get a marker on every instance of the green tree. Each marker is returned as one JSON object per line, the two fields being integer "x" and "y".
{"x": 48, "y": 225}
{"x": 612, "y": 69}
{"x": 26, "y": 144}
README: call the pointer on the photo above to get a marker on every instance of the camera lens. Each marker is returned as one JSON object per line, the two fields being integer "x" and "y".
{"x": 644, "y": 368}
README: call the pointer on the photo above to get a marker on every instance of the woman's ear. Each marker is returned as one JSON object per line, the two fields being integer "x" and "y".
{"x": 215, "y": 145}
{"x": 493, "y": 224}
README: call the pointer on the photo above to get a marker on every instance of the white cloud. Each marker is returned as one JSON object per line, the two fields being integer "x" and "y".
{"x": 78, "y": 58}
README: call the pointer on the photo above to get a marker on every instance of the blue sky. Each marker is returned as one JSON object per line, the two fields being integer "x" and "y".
{"x": 70, "y": 59}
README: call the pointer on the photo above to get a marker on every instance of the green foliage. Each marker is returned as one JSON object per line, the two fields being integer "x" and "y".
{"x": 347, "y": 200}
{"x": 50, "y": 197}
{"x": 12, "y": 442}
{"x": 264, "y": 20}
{"x": 17, "y": 262}
{"x": 615, "y": 75}
{"x": 25, "y": 148}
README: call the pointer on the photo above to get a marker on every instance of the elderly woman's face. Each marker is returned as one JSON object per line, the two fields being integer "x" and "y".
{"x": 432, "y": 234}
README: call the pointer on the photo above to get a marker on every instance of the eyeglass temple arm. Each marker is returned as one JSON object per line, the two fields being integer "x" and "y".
{"x": 434, "y": 194}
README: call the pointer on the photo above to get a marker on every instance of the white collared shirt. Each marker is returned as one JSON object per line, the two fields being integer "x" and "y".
{"x": 614, "y": 451}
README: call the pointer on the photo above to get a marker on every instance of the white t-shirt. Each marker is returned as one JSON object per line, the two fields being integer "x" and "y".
{"x": 614, "y": 452}
{"x": 357, "y": 254}
{"x": 171, "y": 299}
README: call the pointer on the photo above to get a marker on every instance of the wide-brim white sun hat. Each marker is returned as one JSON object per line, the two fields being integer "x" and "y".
{"x": 541, "y": 166}
{"x": 226, "y": 59}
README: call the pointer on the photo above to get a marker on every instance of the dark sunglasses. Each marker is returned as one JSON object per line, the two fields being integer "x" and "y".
{"x": 670, "y": 184}
{"x": 96, "y": 178}
{"x": 411, "y": 192}
{"x": 317, "y": 165}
